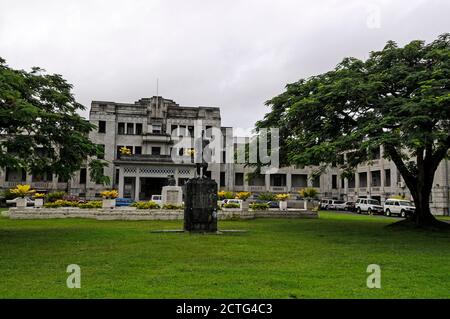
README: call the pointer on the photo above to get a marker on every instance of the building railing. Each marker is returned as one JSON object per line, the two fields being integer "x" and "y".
{"x": 278, "y": 188}
{"x": 252, "y": 188}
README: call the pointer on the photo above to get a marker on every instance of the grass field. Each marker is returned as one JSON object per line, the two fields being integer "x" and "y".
{"x": 277, "y": 258}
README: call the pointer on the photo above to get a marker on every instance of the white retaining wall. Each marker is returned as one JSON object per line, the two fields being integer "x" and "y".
{"x": 146, "y": 214}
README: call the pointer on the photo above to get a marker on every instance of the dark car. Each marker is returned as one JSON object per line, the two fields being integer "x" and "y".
{"x": 350, "y": 206}
{"x": 123, "y": 202}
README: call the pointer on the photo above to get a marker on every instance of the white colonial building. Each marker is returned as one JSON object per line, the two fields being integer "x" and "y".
{"x": 150, "y": 129}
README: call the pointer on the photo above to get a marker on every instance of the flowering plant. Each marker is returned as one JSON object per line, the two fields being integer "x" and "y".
{"x": 109, "y": 194}
{"x": 22, "y": 190}
{"x": 125, "y": 151}
{"x": 282, "y": 197}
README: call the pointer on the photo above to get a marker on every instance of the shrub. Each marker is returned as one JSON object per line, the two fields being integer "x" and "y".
{"x": 308, "y": 192}
{"x": 231, "y": 205}
{"x": 145, "y": 205}
{"x": 91, "y": 204}
{"x": 61, "y": 203}
{"x": 9, "y": 195}
{"x": 54, "y": 196}
{"x": 22, "y": 190}
{"x": 259, "y": 206}
{"x": 225, "y": 195}
{"x": 39, "y": 195}
{"x": 171, "y": 206}
{"x": 243, "y": 195}
{"x": 109, "y": 194}
{"x": 267, "y": 196}
{"x": 282, "y": 197}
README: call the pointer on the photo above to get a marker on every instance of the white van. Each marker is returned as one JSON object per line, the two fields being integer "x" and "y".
{"x": 369, "y": 205}
{"x": 400, "y": 207}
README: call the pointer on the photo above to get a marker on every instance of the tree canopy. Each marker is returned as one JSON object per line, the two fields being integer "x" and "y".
{"x": 40, "y": 128}
{"x": 398, "y": 98}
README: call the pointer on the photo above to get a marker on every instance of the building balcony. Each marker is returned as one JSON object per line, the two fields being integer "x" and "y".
{"x": 13, "y": 184}
{"x": 253, "y": 188}
{"x": 278, "y": 189}
{"x": 145, "y": 158}
{"x": 156, "y": 137}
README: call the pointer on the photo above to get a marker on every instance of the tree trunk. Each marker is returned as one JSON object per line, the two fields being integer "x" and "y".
{"x": 423, "y": 216}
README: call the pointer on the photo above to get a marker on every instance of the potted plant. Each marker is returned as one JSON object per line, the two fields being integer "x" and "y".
{"x": 109, "y": 198}
{"x": 21, "y": 191}
{"x": 39, "y": 199}
{"x": 243, "y": 196}
{"x": 282, "y": 198}
{"x": 308, "y": 195}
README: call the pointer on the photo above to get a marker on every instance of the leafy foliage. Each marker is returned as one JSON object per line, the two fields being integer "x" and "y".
{"x": 110, "y": 194}
{"x": 282, "y": 197}
{"x": 259, "y": 206}
{"x": 225, "y": 195}
{"x": 267, "y": 196}
{"x": 308, "y": 192}
{"x": 146, "y": 205}
{"x": 231, "y": 205}
{"x": 22, "y": 190}
{"x": 39, "y": 121}
{"x": 399, "y": 98}
{"x": 243, "y": 195}
{"x": 54, "y": 196}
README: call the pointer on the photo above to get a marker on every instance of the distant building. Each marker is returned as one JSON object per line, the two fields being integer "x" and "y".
{"x": 146, "y": 128}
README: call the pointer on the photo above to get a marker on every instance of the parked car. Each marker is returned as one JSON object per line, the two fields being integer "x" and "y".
{"x": 332, "y": 204}
{"x": 157, "y": 199}
{"x": 12, "y": 202}
{"x": 325, "y": 203}
{"x": 369, "y": 205}
{"x": 338, "y": 205}
{"x": 123, "y": 202}
{"x": 400, "y": 207}
{"x": 350, "y": 206}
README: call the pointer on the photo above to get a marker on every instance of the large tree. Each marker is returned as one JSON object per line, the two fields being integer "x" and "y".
{"x": 398, "y": 98}
{"x": 40, "y": 129}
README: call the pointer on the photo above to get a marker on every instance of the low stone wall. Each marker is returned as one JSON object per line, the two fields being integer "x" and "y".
{"x": 141, "y": 214}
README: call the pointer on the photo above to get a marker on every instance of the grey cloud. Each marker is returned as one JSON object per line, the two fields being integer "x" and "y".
{"x": 232, "y": 54}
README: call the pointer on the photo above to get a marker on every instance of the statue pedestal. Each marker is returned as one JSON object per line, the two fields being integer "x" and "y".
{"x": 172, "y": 195}
{"x": 200, "y": 205}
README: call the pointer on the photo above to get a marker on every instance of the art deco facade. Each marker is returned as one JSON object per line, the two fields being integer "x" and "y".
{"x": 150, "y": 128}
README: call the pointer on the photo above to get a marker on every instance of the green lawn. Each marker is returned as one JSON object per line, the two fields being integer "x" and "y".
{"x": 277, "y": 258}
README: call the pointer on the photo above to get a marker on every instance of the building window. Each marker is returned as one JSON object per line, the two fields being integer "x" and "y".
{"x": 334, "y": 181}
{"x": 118, "y": 151}
{"x": 342, "y": 182}
{"x": 130, "y": 148}
{"x": 62, "y": 179}
{"x": 117, "y": 176}
{"x": 83, "y": 175}
{"x": 121, "y": 129}
{"x": 156, "y": 150}
{"x": 239, "y": 179}
{"x": 102, "y": 126}
{"x": 387, "y": 173}
{"x": 138, "y": 150}
{"x": 156, "y": 128}
{"x": 138, "y": 128}
{"x": 316, "y": 181}
{"x": 130, "y": 128}
{"x": 222, "y": 179}
{"x": 278, "y": 180}
{"x": 101, "y": 152}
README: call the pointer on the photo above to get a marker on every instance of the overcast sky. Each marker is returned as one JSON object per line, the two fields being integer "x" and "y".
{"x": 227, "y": 53}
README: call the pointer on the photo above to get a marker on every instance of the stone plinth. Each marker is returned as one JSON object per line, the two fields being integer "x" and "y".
{"x": 172, "y": 195}
{"x": 200, "y": 212}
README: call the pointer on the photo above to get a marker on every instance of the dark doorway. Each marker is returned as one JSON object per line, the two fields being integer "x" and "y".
{"x": 151, "y": 186}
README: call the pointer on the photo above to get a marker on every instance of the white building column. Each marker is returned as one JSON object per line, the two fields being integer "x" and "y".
{"x": 121, "y": 182}
{"x": 288, "y": 182}
{"x": 137, "y": 188}
{"x": 267, "y": 182}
